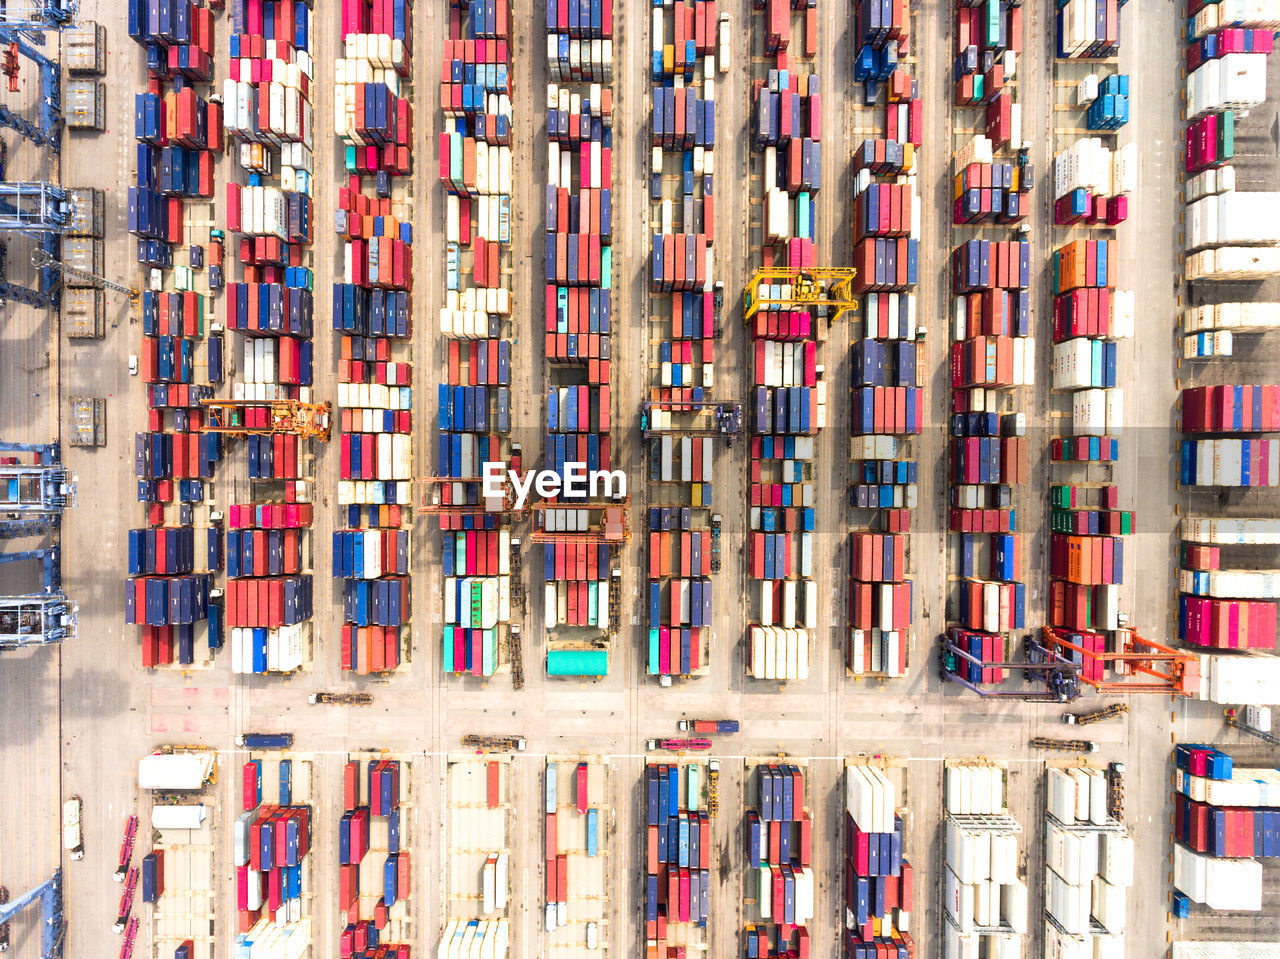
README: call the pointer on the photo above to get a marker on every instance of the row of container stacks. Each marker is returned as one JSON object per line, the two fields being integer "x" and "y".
{"x": 179, "y": 132}
{"x": 788, "y": 404}
{"x": 988, "y": 43}
{"x": 1090, "y": 866}
{"x": 266, "y": 96}
{"x": 372, "y": 311}
{"x": 566, "y": 814}
{"x": 474, "y": 402}
{"x": 578, "y": 283}
{"x": 992, "y": 354}
{"x": 887, "y": 397}
{"x": 984, "y": 898}
{"x": 677, "y": 858}
{"x": 272, "y": 840}
{"x": 779, "y": 833}
{"x": 1224, "y": 819}
{"x": 1211, "y": 329}
{"x": 374, "y": 871}
{"x": 878, "y": 880}
{"x": 1228, "y": 609}
{"x": 1225, "y": 66}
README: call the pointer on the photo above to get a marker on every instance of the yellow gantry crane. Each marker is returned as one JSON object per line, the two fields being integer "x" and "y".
{"x": 243, "y": 418}
{"x": 780, "y": 288}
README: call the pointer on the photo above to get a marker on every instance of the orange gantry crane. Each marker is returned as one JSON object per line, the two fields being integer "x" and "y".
{"x": 267, "y": 418}
{"x": 1162, "y": 669}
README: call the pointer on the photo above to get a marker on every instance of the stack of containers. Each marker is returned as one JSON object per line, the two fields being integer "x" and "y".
{"x": 269, "y": 587}
{"x": 178, "y": 132}
{"x": 788, "y": 399}
{"x": 1210, "y": 329}
{"x": 1226, "y": 75}
{"x": 1089, "y": 867}
{"x": 1086, "y": 565}
{"x": 1230, "y": 410}
{"x": 988, "y": 43}
{"x": 578, "y": 285}
{"x": 984, "y": 900}
{"x": 878, "y": 881}
{"x": 167, "y": 598}
{"x": 779, "y": 847}
{"x": 273, "y": 874}
{"x": 266, "y": 95}
{"x": 373, "y": 866}
{"x": 1092, "y": 182}
{"x": 684, "y": 321}
{"x": 1213, "y": 616}
{"x": 992, "y": 353}
{"x": 677, "y": 858}
{"x": 888, "y": 400}
{"x": 372, "y": 317}
{"x": 1239, "y": 679}
{"x": 474, "y": 392}
{"x": 1216, "y": 819}
{"x": 879, "y": 604}
{"x": 1088, "y": 29}
{"x": 578, "y": 813}
{"x": 1083, "y": 274}
{"x": 461, "y": 937}
{"x": 680, "y": 591}
{"x": 986, "y": 191}
{"x": 580, "y": 42}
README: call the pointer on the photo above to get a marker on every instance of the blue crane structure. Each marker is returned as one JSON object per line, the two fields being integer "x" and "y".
{"x": 48, "y": 132}
{"x": 32, "y": 497}
{"x": 21, "y": 25}
{"x": 53, "y": 927}
{"x": 41, "y": 211}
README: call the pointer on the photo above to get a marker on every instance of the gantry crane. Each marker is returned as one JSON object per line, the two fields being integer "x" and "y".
{"x": 267, "y": 418}
{"x": 48, "y": 132}
{"x": 612, "y": 526}
{"x": 53, "y": 928}
{"x": 706, "y": 418}
{"x": 41, "y": 211}
{"x": 1169, "y": 671}
{"x": 773, "y": 288}
{"x": 1060, "y": 676}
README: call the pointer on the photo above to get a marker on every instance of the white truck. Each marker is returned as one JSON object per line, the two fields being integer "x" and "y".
{"x": 72, "y": 836}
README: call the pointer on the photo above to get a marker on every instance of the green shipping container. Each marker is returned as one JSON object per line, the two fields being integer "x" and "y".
{"x": 577, "y": 662}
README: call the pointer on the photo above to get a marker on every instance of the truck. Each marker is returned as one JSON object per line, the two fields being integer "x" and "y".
{"x": 4, "y": 926}
{"x": 1095, "y": 716}
{"x": 265, "y": 740}
{"x": 126, "y": 900}
{"x": 1064, "y": 745}
{"x": 678, "y": 745}
{"x": 126, "y": 848}
{"x": 708, "y": 726}
{"x": 713, "y": 787}
{"x": 494, "y": 744}
{"x": 722, "y": 47}
{"x": 72, "y": 836}
{"x": 341, "y": 699}
{"x": 716, "y": 523}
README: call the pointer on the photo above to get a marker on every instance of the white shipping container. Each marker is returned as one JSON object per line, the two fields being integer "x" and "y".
{"x": 1240, "y": 679}
{"x": 1224, "y": 884}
